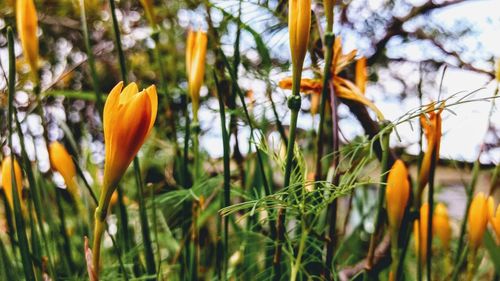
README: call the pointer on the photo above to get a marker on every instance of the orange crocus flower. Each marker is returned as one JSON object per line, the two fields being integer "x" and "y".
{"x": 196, "y": 48}
{"x": 441, "y": 225}
{"x": 431, "y": 124}
{"x": 477, "y": 220}
{"x": 397, "y": 194}
{"x": 343, "y": 88}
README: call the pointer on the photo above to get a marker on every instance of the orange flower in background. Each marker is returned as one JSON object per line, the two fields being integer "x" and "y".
{"x": 299, "y": 25}
{"x": 431, "y": 124}
{"x": 129, "y": 116}
{"x": 7, "y": 179}
{"x": 61, "y": 161}
{"x": 361, "y": 74}
{"x": 27, "y": 27}
{"x": 494, "y": 217}
{"x": 196, "y": 49}
{"x": 477, "y": 220}
{"x": 441, "y": 225}
{"x": 397, "y": 194}
{"x": 343, "y": 88}
{"x": 420, "y": 232}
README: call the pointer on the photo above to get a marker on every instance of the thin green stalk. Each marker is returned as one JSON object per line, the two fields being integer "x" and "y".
{"x": 294, "y": 105}
{"x": 329, "y": 39}
{"x": 18, "y": 217}
{"x": 380, "y": 201}
{"x": 463, "y": 226}
{"x": 146, "y": 237}
{"x": 193, "y": 246}
{"x": 118, "y": 44}
{"x": 90, "y": 57}
{"x": 62, "y": 231}
{"x": 227, "y": 183}
{"x": 302, "y": 244}
{"x": 430, "y": 199}
{"x": 333, "y": 206}
{"x": 35, "y": 191}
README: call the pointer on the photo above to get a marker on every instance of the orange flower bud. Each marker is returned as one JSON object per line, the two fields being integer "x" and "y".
{"x": 7, "y": 179}
{"x": 129, "y": 116}
{"x": 61, "y": 161}
{"x": 420, "y": 232}
{"x": 27, "y": 27}
{"x": 397, "y": 194}
{"x": 494, "y": 217}
{"x": 441, "y": 225}
{"x": 196, "y": 48}
{"x": 478, "y": 219}
{"x": 432, "y": 129}
{"x": 299, "y": 24}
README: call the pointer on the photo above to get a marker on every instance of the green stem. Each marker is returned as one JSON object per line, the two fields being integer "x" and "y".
{"x": 34, "y": 187}
{"x": 294, "y": 105}
{"x": 227, "y": 184}
{"x": 118, "y": 44}
{"x": 148, "y": 249}
{"x": 18, "y": 217}
{"x": 302, "y": 244}
{"x": 430, "y": 199}
{"x": 90, "y": 57}
{"x": 463, "y": 226}
{"x": 380, "y": 202}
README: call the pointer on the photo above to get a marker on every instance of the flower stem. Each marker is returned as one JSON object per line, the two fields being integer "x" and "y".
{"x": 18, "y": 217}
{"x": 380, "y": 202}
{"x": 90, "y": 57}
{"x": 294, "y": 105}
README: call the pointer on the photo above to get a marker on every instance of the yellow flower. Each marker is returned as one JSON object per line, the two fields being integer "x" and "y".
{"x": 397, "y": 194}
{"x": 494, "y": 217}
{"x": 299, "y": 25}
{"x": 7, "y": 179}
{"x": 361, "y": 74}
{"x": 129, "y": 116}
{"x": 431, "y": 125}
{"x": 61, "y": 161}
{"x": 27, "y": 27}
{"x": 196, "y": 49}
{"x": 441, "y": 225}
{"x": 478, "y": 220}
{"x": 420, "y": 232}
{"x": 148, "y": 6}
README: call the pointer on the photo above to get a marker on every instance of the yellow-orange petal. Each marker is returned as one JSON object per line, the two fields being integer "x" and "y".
{"x": 441, "y": 225}
{"x": 62, "y": 162}
{"x": 7, "y": 179}
{"x": 27, "y": 27}
{"x": 397, "y": 193}
{"x": 477, "y": 220}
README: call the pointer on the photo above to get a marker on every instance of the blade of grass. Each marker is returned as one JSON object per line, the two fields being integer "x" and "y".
{"x": 227, "y": 182}
{"x": 29, "y": 273}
